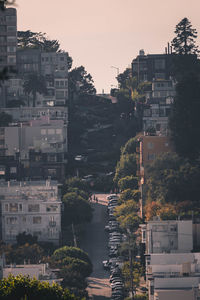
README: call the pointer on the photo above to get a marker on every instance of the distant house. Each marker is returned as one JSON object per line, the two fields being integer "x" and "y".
{"x": 172, "y": 236}
{"x": 33, "y": 207}
{"x": 152, "y": 66}
{"x": 173, "y": 276}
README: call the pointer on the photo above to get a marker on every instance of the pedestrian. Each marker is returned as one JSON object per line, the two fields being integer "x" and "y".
{"x": 96, "y": 200}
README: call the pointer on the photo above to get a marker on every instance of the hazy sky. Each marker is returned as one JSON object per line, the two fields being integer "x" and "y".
{"x": 99, "y": 34}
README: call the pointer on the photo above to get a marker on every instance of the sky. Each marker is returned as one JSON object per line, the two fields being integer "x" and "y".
{"x": 99, "y": 34}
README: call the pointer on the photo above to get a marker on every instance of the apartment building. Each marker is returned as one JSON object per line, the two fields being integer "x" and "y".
{"x": 8, "y": 47}
{"x": 171, "y": 236}
{"x": 173, "y": 276}
{"x": 33, "y": 207}
{"x": 37, "y": 149}
{"x": 158, "y": 106}
{"x": 152, "y": 66}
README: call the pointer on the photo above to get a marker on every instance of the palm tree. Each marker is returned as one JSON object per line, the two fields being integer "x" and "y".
{"x": 35, "y": 84}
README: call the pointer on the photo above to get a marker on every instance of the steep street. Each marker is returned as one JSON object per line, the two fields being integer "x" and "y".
{"x": 95, "y": 244}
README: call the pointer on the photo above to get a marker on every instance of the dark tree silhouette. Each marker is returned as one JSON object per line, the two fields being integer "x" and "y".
{"x": 184, "y": 42}
{"x": 35, "y": 84}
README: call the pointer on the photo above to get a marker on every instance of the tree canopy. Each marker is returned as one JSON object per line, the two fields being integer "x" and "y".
{"x": 81, "y": 82}
{"x": 184, "y": 120}
{"x": 184, "y": 42}
{"x": 23, "y": 287}
{"x": 77, "y": 210}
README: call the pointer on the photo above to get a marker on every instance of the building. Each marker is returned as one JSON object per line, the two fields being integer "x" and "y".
{"x": 8, "y": 37}
{"x": 41, "y": 272}
{"x": 8, "y": 47}
{"x": 172, "y": 236}
{"x": 173, "y": 276}
{"x": 152, "y": 66}
{"x": 33, "y": 207}
{"x": 39, "y": 148}
{"x": 158, "y": 106}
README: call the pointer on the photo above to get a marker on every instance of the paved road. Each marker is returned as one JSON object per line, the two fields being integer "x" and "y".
{"x": 95, "y": 244}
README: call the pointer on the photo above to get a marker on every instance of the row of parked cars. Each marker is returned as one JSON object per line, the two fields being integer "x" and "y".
{"x": 114, "y": 263}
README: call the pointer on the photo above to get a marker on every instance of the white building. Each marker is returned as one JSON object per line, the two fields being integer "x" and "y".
{"x": 173, "y": 276}
{"x": 33, "y": 207}
{"x": 172, "y": 236}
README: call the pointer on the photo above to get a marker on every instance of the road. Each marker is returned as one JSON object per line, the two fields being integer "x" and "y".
{"x": 95, "y": 244}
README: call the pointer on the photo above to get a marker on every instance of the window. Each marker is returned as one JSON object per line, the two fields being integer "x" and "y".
{"x": 52, "y": 172}
{"x": 11, "y": 220}
{"x": 62, "y": 58}
{"x": 20, "y": 207}
{"x": 150, "y": 145}
{"x": 43, "y": 131}
{"x": 11, "y": 49}
{"x": 13, "y": 207}
{"x": 33, "y": 208}
{"x": 12, "y": 59}
{"x": 58, "y": 131}
{"x": 13, "y": 39}
{"x": 6, "y": 207}
{"x": 11, "y": 28}
{"x": 10, "y": 18}
{"x": 24, "y": 219}
{"x": 51, "y": 207}
{"x": 60, "y": 95}
{"x": 13, "y": 170}
{"x": 51, "y": 131}
{"x": 37, "y": 220}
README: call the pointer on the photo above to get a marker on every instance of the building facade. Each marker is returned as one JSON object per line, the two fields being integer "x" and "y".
{"x": 33, "y": 207}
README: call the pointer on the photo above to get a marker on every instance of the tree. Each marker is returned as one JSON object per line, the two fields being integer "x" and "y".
{"x": 81, "y": 82}
{"x": 128, "y": 182}
{"x": 184, "y": 120}
{"x": 5, "y": 119}
{"x": 127, "y": 215}
{"x": 35, "y": 84}
{"x": 130, "y": 146}
{"x": 127, "y": 166}
{"x": 76, "y": 209}
{"x": 75, "y": 266}
{"x": 129, "y": 194}
{"x": 184, "y": 42}
{"x": 37, "y": 40}
{"x": 23, "y": 287}
{"x": 172, "y": 179}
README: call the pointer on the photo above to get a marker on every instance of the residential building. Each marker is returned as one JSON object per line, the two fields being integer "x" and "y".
{"x": 172, "y": 236}
{"x": 8, "y": 37}
{"x": 41, "y": 272}
{"x": 8, "y": 46}
{"x": 173, "y": 276}
{"x": 158, "y": 106}
{"x": 33, "y": 207}
{"x": 152, "y": 66}
{"x": 148, "y": 149}
{"x": 39, "y": 146}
